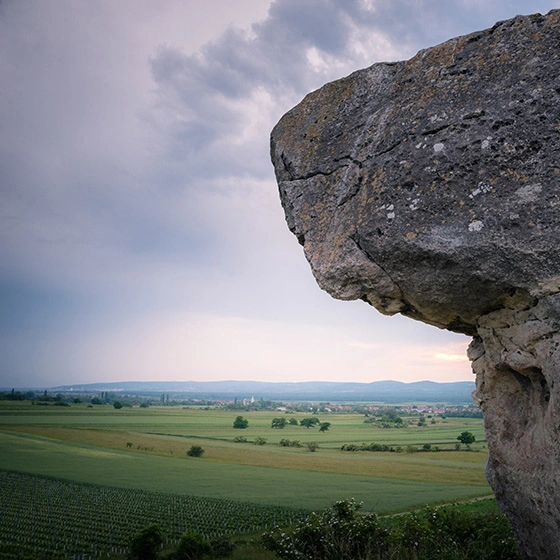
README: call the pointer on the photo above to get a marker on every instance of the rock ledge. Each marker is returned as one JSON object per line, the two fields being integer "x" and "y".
{"x": 430, "y": 188}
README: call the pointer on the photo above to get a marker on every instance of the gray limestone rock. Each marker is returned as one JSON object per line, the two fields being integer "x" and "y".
{"x": 431, "y": 188}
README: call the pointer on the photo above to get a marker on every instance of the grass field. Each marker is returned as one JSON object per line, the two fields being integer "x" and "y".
{"x": 145, "y": 449}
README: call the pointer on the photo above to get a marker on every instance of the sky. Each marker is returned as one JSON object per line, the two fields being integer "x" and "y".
{"x": 141, "y": 232}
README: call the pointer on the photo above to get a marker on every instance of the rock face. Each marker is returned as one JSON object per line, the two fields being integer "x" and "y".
{"x": 431, "y": 188}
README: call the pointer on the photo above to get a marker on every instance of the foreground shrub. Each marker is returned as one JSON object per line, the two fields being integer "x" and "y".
{"x": 341, "y": 533}
{"x": 146, "y": 544}
{"x": 454, "y": 534}
{"x": 192, "y": 546}
{"x": 222, "y": 548}
{"x": 337, "y": 533}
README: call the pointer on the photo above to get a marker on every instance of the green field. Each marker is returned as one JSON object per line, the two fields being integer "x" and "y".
{"x": 52, "y": 517}
{"x": 144, "y": 451}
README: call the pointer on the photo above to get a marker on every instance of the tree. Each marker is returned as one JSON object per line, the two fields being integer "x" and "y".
{"x": 391, "y": 415}
{"x": 293, "y": 422}
{"x": 324, "y": 426}
{"x": 192, "y": 546}
{"x": 313, "y": 446}
{"x": 466, "y": 438}
{"x": 146, "y": 544}
{"x": 309, "y": 422}
{"x": 96, "y": 400}
{"x": 240, "y": 423}
{"x": 279, "y": 423}
{"x": 195, "y": 451}
{"x": 118, "y": 404}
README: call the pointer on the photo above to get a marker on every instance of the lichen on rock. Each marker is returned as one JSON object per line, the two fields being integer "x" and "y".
{"x": 430, "y": 187}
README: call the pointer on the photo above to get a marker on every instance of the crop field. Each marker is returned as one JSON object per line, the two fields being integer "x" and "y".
{"x": 90, "y": 452}
{"x": 44, "y": 516}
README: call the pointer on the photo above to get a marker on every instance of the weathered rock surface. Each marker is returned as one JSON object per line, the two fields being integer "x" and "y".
{"x": 431, "y": 188}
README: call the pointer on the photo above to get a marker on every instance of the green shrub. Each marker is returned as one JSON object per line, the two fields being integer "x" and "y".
{"x": 290, "y": 443}
{"x": 240, "y": 423}
{"x": 453, "y": 534}
{"x": 222, "y": 548}
{"x": 146, "y": 544}
{"x": 337, "y": 533}
{"x": 367, "y": 447}
{"x": 192, "y": 546}
{"x": 195, "y": 451}
{"x": 341, "y": 533}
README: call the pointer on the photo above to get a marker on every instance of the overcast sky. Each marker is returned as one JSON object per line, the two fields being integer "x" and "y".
{"x": 141, "y": 233}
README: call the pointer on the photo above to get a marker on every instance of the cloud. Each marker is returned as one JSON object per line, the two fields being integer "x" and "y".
{"x": 240, "y": 84}
{"x": 136, "y": 189}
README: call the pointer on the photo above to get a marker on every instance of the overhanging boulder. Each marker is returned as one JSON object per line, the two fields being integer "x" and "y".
{"x": 431, "y": 188}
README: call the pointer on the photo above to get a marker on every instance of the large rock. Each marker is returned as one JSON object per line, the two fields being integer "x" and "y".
{"x": 431, "y": 188}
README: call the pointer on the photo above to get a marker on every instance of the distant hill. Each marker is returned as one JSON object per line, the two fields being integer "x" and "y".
{"x": 377, "y": 391}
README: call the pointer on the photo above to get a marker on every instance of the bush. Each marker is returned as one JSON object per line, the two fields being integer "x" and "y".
{"x": 336, "y": 533}
{"x": 146, "y": 544}
{"x": 290, "y": 443}
{"x": 453, "y": 534}
{"x": 240, "y": 423}
{"x": 192, "y": 546}
{"x": 240, "y": 439}
{"x": 341, "y": 533}
{"x": 222, "y": 548}
{"x": 260, "y": 440}
{"x": 367, "y": 447}
{"x": 195, "y": 451}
